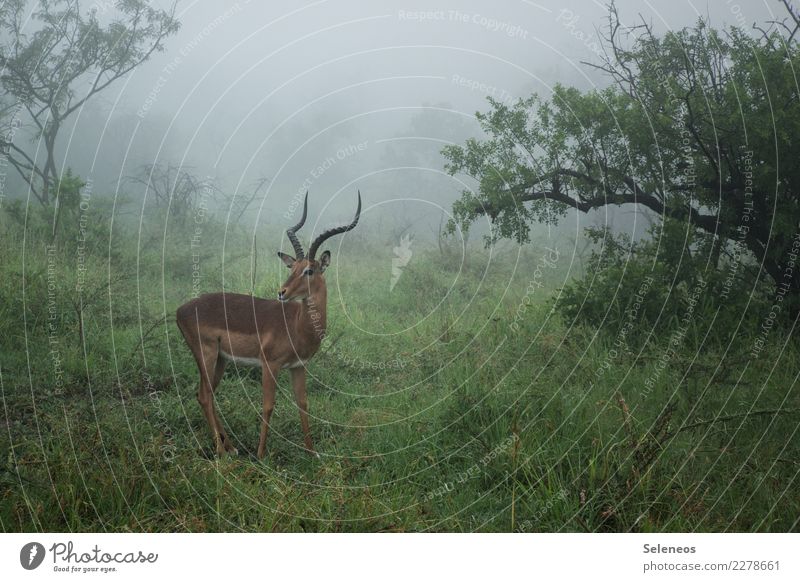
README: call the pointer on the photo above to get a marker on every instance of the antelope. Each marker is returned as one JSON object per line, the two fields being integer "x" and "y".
{"x": 276, "y": 334}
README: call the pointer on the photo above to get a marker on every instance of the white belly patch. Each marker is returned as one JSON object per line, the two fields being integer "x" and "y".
{"x": 297, "y": 364}
{"x": 256, "y": 362}
{"x": 239, "y": 361}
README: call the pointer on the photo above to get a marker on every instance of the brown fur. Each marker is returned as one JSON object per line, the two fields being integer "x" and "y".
{"x": 279, "y": 334}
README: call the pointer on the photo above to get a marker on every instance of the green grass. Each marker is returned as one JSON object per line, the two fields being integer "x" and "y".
{"x": 430, "y": 410}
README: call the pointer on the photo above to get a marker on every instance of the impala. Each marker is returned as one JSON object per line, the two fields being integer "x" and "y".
{"x": 274, "y": 334}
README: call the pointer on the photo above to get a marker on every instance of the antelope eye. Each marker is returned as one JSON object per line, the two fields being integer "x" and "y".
{"x": 308, "y": 272}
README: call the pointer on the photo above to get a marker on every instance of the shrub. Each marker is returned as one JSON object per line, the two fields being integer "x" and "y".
{"x": 674, "y": 279}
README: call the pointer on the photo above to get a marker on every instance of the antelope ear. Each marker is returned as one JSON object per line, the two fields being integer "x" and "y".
{"x": 324, "y": 261}
{"x": 287, "y": 259}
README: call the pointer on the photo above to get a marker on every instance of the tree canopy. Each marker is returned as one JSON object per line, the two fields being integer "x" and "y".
{"x": 51, "y": 67}
{"x": 696, "y": 125}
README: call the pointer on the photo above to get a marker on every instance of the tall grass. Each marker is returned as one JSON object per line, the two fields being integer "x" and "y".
{"x": 458, "y": 401}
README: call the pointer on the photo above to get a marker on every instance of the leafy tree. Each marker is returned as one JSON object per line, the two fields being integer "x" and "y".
{"x": 697, "y": 126}
{"x": 50, "y": 69}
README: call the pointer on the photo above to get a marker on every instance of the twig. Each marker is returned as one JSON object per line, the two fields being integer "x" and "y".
{"x": 140, "y": 343}
{"x": 626, "y": 419}
{"x": 733, "y": 417}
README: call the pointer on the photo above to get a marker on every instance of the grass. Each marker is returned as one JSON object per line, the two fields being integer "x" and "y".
{"x": 431, "y": 411}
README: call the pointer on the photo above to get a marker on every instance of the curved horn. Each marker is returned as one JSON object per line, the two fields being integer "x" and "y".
{"x": 298, "y": 248}
{"x": 334, "y": 231}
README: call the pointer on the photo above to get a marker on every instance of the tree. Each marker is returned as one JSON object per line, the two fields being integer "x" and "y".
{"x": 174, "y": 188}
{"x": 68, "y": 58}
{"x": 697, "y": 126}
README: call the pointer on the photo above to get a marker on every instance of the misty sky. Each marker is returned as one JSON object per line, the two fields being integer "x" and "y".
{"x": 335, "y": 96}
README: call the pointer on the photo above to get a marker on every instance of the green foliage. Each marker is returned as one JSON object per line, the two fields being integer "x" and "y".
{"x": 68, "y": 192}
{"x": 428, "y": 418}
{"x": 69, "y": 57}
{"x": 696, "y": 126}
{"x": 667, "y": 281}
{"x": 453, "y": 400}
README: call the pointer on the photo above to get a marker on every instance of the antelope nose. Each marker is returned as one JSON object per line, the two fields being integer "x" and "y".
{"x": 281, "y": 294}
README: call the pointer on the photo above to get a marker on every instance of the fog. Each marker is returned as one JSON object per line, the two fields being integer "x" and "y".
{"x": 332, "y": 97}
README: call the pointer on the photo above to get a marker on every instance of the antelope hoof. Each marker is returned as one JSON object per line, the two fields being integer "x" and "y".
{"x": 224, "y": 447}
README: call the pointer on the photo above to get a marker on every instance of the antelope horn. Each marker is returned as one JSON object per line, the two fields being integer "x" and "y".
{"x": 298, "y": 248}
{"x": 334, "y": 231}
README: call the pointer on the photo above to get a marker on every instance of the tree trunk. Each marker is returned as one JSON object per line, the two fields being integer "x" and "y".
{"x": 50, "y": 174}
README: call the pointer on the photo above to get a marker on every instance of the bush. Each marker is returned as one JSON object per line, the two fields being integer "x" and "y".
{"x": 674, "y": 279}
